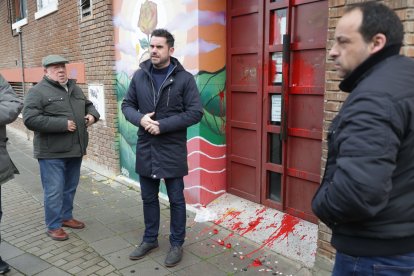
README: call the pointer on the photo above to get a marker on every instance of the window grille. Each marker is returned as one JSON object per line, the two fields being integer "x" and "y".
{"x": 86, "y": 8}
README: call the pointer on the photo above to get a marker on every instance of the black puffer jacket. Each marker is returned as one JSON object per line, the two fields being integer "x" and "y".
{"x": 47, "y": 109}
{"x": 367, "y": 193}
{"x": 177, "y": 107}
{"x": 10, "y": 107}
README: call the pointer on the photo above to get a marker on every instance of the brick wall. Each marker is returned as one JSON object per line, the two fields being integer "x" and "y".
{"x": 334, "y": 98}
{"x": 9, "y": 46}
{"x": 88, "y": 40}
{"x": 98, "y": 54}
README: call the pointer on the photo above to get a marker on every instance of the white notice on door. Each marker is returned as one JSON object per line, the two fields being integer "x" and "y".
{"x": 276, "y": 108}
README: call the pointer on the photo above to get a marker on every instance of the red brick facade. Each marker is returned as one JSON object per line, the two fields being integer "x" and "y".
{"x": 88, "y": 41}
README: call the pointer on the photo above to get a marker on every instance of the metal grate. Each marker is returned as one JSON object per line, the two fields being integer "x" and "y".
{"x": 86, "y": 8}
{"x": 18, "y": 89}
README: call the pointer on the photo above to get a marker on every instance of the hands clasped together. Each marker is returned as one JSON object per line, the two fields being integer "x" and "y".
{"x": 89, "y": 120}
{"x": 150, "y": 125}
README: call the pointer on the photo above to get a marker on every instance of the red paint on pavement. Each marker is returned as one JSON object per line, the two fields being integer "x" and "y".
{"x": 252, "y": 226}
{"x": 287, "y": 226}
{"x": 237, "y": 226}
{"x": 256, "y": 263}
{"x": 228, "y": 236}
{"x": 232, "y": 214}
{"x": 259, "y": 212}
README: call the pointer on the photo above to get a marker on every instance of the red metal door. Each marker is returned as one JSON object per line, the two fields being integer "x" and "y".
{"x": 244, "y": 97}
{"x": 295, "y": 39}
{"x": 275, "y": 72}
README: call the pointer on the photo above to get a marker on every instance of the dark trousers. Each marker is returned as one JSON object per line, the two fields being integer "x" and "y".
{"x": 149, "y": 194}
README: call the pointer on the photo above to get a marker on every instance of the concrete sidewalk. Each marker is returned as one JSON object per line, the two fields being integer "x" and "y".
{"x": 112, "y": 211}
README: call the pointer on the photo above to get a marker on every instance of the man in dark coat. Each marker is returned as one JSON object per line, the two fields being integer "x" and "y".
{"x": 59, "y": 114}
{"x": 10, "y": 107}
{"x": 367, "y": 193}
{"x": 162, "y": 101}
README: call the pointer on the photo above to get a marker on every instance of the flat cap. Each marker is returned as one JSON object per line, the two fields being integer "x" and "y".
{"x": 53, "y": 59}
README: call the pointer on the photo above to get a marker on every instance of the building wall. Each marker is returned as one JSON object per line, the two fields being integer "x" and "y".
{"x": 334, "y": 98}
{"x": 87, "y": 43}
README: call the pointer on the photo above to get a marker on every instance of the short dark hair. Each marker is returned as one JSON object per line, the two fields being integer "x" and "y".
{"x": 164, "y": 33}
{"x": 378, "y": 18}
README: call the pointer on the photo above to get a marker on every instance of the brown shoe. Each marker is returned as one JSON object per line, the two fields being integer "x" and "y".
{"x": 58, "y": 234}
{"x": 73, "y": 223}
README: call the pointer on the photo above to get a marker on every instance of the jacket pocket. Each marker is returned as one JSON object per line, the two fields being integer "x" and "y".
{"x": 56, "y": 105}
{"x": 60, "y": 142}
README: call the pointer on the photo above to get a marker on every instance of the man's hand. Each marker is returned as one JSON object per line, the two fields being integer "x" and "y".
{"x": 71, "y": 126}
{"x": 153, "y": 129}
{"x": 150, "y": 125}
{"x": 89, "y": 120}
{"x": 146, "y": 120}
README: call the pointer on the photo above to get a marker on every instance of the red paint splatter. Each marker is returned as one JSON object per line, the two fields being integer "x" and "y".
{"x": 215, "y": 231}
{"x": 259, "y": 212}
{"x": 232, "y": 214}
{"x": 228, "y": 236}
{"x": 236, "y": 226}
{"x": 228, "y": 245}
{"x": 271, "y": 226}
{"x": 252, "y": 226}
{"x": 221, "y": 95}
{"x": 256, "y": 263}
{"x": 287, "y": 226}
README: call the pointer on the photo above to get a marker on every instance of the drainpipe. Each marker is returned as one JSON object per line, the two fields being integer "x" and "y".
{"x": 19, "y": 31}
{"x": 21, "y": 60}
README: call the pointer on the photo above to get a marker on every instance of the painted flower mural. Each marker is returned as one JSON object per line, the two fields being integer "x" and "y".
{"x": 204, "y": 57}
{"x": 147, "y": 22}
{"x": 147, "y": 17}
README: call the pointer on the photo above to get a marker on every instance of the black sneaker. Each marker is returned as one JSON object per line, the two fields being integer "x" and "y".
{"x": 174, "y": 256}
{"x": 4, "y": 267}
{"x": 142, "y": 250}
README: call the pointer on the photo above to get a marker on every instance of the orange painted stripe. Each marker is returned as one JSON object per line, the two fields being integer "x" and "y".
{"x": 35, "y": 74}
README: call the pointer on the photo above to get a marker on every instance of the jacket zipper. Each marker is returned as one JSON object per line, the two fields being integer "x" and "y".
{"x": 159, "y": 91}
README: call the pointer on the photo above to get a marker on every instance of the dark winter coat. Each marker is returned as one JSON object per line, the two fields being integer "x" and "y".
{"x": 47, "y": 109}
{"x": 10, "y": 107}
{"x": 177, "y": 107}
{"x": 367, "y": 193}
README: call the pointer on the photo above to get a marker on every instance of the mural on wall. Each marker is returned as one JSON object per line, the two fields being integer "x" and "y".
{"x": 199, "y": 30}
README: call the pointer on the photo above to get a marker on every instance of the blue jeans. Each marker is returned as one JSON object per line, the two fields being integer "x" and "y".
{"x": 60, "y": 178}
{"x": 149, "y": 194}
{"x": 398, "y": 265}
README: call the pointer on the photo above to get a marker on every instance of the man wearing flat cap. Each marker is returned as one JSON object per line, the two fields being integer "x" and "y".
{"x": 59, "y": 113}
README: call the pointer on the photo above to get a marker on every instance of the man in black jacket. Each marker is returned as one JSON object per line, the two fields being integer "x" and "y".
{"x": 59, "y": 114}
{"x": 367, "y": 193}
{"x": 162, "y": 101}
{"x": 10, "y": 107}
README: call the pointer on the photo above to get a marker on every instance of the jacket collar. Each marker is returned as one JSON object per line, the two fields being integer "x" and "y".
{"x": 70, "y": 84}
{"x": 56, "y": 83}
{"x": 146, "y": 65}
{"x": 349, "y": 83}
